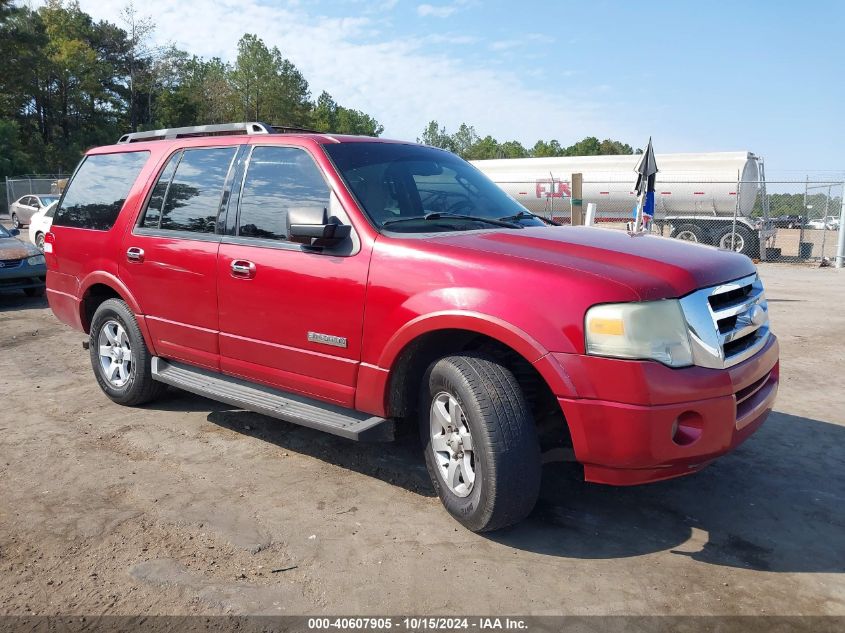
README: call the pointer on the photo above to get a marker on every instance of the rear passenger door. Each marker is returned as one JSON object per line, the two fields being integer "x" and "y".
{"x": 26, "y": 209}
{"x": 289, "y": 317}
{"x": 169, "y": 258}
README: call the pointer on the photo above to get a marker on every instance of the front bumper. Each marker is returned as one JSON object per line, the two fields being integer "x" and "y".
{"x": 23, "y": 276}
{"x": 646, "y": 422}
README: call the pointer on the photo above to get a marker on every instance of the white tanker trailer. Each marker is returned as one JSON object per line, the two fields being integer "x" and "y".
{"x": 696, "y": 195}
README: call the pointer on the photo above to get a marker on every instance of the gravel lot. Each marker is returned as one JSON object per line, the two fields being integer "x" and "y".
{"x": 186, "y": 506}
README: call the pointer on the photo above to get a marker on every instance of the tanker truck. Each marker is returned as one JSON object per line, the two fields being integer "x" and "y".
{"x": 696, "y": 197}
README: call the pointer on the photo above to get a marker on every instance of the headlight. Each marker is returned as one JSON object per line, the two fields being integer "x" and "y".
{"x": 35, "y": 260}
{"x": 653, "y": 330}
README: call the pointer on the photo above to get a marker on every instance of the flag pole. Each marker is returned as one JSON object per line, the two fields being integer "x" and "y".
{"x": 638, "y": 221}
{"x": 646, "y": 169}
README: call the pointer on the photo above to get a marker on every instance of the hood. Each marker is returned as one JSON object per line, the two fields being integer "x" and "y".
{"x": 12, "y": 248}
{"x": 653, "y": 267}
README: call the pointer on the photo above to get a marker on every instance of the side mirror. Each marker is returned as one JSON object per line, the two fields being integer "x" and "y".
{"x": 311, "y": 226}
{"x": 14, "y": 232}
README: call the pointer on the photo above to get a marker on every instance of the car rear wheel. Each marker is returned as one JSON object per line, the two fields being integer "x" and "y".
{"x": 480, "y": 442}
{"x": 119, "y": 355}
{"x": 39, "y": 240}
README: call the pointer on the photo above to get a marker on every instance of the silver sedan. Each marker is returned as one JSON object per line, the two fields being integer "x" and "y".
{"x": 25, "y": 207}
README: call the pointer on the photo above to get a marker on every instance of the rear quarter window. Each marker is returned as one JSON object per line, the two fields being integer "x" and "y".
{"x": 98, "y": 189}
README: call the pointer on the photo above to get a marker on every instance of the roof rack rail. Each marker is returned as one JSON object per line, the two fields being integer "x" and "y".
{"x": 293, "y": 129}
{"x": 223, "y": 129}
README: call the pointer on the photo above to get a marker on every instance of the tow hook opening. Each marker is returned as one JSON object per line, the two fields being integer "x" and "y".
{"x": 687, "y": 428}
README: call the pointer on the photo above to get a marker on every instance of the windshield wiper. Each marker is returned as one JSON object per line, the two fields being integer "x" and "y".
{"x": 438, "y": 215}
{"x": 525, "y": 214}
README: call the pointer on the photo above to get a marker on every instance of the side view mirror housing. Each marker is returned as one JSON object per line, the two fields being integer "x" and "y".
{"x": 312, "y": 227}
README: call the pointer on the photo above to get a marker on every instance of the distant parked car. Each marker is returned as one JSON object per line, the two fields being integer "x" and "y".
{"x": 40, "y": 223}
{"x": 22, "y": 265}
{"x": 788, "y": 221}
{"x": 830, "y": 223}
{"x": 25, "y": 207}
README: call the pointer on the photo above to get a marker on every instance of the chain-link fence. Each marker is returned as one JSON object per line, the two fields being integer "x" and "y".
{"x": 783, "y": 221}
{"x": 16, "y": 188}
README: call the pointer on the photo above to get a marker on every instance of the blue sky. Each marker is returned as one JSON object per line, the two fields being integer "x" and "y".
{"x": 768, "y": 76}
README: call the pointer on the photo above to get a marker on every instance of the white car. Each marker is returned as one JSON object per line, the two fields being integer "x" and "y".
{"x": 40, "y": 223}
{"x": 830, "y": 223}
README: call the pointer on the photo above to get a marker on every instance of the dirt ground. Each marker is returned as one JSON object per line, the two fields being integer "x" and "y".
{"x": 186, "y": 506}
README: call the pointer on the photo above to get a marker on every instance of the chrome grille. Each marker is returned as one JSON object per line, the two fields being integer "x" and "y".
{"x": 727, "y": 323}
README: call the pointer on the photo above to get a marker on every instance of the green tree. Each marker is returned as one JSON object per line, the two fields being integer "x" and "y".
{"x": 328, "y": 116}
{"x": 512, "y": 149}
{"x": 138, "y": 57}
{"x": 543, "y": 149}
{"x": 13, "y": 158}
{"x": 435, "y": 135}
{"x": 268, "y": 86}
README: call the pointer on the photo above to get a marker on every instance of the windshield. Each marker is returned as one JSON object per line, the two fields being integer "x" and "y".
{"x": 419, "y": 189}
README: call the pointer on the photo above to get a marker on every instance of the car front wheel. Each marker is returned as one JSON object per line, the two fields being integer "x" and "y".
{"x": 480, "y": 442}
{"x": 16, "y": 221}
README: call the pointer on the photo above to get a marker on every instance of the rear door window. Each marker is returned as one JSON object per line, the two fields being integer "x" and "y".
{"x": 152, "y": 214}
{"x": 98, "y": 189}
{"x": 192, "y": 200}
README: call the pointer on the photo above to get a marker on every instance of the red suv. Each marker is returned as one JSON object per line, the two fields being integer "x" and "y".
{"x": 354, "y": 284}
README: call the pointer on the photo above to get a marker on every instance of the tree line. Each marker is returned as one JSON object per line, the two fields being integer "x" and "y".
{"x": 69, "y": 83}
{"x": 468, "y": 144}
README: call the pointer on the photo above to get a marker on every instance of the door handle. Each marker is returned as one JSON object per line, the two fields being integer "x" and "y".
{"x": 243, "y": 269}
{"x": 135, "y": 254}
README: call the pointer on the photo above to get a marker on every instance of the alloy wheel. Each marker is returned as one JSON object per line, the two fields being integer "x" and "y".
{"x": 115, "y": 353}
{"x": 451, "y": 443}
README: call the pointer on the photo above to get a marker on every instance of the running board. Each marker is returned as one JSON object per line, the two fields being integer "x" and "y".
{"x": 314, "y": 414}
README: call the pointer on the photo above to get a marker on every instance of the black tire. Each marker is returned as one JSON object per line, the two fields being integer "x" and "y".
{"x": 750, "y": 247}
{"x": 505, "y": 453}
{"x": 16, "y": 222}
{"x": 34, "y": 292}
{"x": 39, "y": 240}
{"x": 690, "y": 233}
{"x": 140, "y": 387}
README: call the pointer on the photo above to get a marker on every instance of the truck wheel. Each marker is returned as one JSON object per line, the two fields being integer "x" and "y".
{"x": 743, "y": 242}
{"x": 689, "y": 233}
{"x": 480, "y": 442}
{"x": 119, "y": 356}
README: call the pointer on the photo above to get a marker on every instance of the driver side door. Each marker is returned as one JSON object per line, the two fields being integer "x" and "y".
{"x": 290, "y": 317}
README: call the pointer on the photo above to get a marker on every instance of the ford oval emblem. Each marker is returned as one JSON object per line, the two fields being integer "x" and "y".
{"x": 2, "y": 264}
